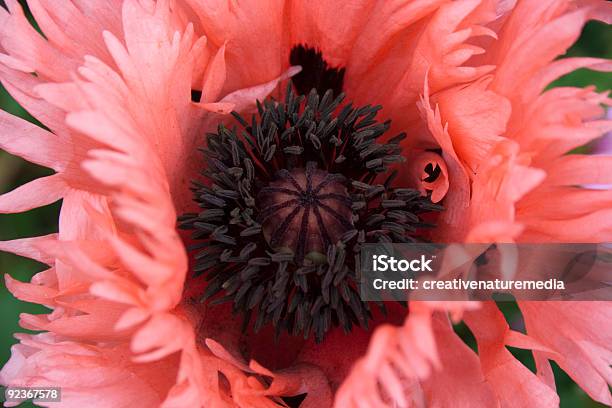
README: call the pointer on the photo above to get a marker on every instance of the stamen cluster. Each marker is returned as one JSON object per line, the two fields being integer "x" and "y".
{"x": 290, "y": 197}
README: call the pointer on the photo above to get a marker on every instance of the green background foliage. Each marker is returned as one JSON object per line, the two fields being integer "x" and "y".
{"x": 596, "y": 40}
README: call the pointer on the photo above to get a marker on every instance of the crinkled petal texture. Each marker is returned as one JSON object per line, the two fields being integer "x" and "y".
{"x": 121, "y": 127}
{"x": 113, "y": 88}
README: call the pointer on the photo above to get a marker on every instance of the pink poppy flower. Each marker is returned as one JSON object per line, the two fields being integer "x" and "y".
{"x": 128, "y": 89}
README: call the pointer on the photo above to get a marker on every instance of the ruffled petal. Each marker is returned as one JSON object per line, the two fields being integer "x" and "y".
{"x": 461, "y": 381}
{"x": 452, "y": 222}
{"x": 30, "y": 293}
{"x": 579, "y": 334}
{"x": 244, "y": 27}
{"x": 513, "y": 384}
{"x": 29, "y": 248}
{"x": 88, "y": 375}
{"x": 22, "y": 42}
{"x": 535, "y": 33}
{"x": 33, "y": 143}
{"x": 331, "y": 29}
{"x": 578, "y": 170}
{"x": 403, "y": 364}
{"x": 477, "y": 118}
{"x": 75, "y": 27}
{"x": 500, "y": 183}
{"x": 418, "y": 38}
{"x": 249, "y": 389}
{"x": 128, "y": 145}
{"x": 37, "y": 193}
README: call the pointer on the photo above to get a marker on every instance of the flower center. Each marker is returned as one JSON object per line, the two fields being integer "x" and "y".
{"x": 304, "y": 211}
{"x": 288, "y": 203}
{"x": 289, "y": 199}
